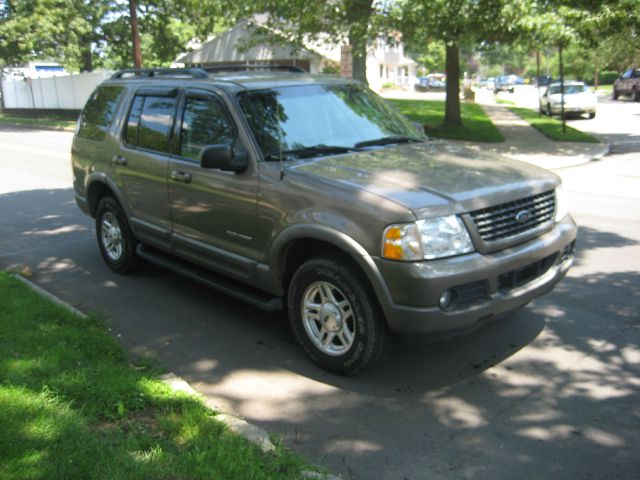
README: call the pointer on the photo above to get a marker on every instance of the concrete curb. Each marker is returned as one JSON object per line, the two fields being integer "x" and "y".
{"x": 37, "y": 127}
{"x": 50, "y": 296}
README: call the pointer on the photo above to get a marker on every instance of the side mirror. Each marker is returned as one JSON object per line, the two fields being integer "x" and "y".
{"x": 224, "y": 157}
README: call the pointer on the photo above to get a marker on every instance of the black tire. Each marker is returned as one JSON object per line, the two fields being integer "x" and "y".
{"x": 123, "y": 259}
{"x": 549, "y": 112}
{"x": 364, "y": 318}
{"x": 615, "y": 94}
{"x": 592, "y": 115}
{"x": 636, "y": 95}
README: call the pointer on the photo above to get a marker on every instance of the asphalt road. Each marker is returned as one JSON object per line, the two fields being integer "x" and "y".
{"x": 550, "y": 392}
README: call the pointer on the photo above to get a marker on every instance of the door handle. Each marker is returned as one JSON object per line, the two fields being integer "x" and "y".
{"x": 180, "y": 176}
{"x": 119, "y": 160}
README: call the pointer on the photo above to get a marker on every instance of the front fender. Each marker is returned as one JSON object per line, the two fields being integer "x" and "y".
{"x": 337, "y": 239}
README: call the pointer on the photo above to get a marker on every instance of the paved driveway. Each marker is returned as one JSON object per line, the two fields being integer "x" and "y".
{"x": 551, "y": 392}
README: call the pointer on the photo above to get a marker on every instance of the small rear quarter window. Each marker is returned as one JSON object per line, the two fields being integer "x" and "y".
{"x": 97, "y": 114}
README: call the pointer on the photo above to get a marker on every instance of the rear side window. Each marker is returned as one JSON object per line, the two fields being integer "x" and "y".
{"x": 96, "y": 117}
{"x": 150, "y": 121}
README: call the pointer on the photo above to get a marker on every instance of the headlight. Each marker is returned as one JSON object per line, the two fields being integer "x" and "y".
{"x": 426, "y": 239}
{"x": 561, "y": 203}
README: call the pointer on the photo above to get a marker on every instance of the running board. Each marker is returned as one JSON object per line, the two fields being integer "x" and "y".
{"x": 217, "y": 282}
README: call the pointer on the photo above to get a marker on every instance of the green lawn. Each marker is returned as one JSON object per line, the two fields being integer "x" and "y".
{"x": 39, "y": 122}
{"x": 476, "y": 126}
{"x": 503, "y": 101}
{"x": 74, "y": 405}
{"x": 552, "y": 127}
{"x": 606, "y": 89}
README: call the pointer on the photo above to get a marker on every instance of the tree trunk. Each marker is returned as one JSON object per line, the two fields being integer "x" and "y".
{"x": 135, "y": 36}
{"x": 452, "y": 104}
{"x": 358, "y": 15}
{"x": 86, "y": 58}
{"x": 359, "y": 59}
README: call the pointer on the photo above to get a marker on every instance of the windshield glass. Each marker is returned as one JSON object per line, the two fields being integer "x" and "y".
{"x": 309, "y": 116}
{"x": 568, "y": 89}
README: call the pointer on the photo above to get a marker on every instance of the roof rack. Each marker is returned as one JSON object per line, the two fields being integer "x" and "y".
{"x": 254, "y": 66}
{"x": 160, "y": 72}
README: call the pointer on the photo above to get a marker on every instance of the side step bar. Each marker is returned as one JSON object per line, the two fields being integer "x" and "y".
{"x": 220, "y": 283}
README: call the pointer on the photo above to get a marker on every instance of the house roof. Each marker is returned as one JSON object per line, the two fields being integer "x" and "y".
{"x": 228, "y": 47}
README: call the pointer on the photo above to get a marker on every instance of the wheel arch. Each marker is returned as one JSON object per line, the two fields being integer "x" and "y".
{"x": 300, "y": 243}
{"x": 99, "y": 186}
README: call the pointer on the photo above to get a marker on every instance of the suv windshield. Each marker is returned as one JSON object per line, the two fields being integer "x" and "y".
{"x": 309, "y": 117}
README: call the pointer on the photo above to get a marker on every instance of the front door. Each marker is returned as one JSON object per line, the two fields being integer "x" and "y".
{"x": 213, "y": 212}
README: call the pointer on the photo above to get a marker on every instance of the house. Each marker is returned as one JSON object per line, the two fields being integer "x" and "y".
{"x": 386, "y": 62}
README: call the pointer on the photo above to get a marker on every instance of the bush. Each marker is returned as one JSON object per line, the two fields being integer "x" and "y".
{"x": 606, "y": 77}
{"x": 388, "y": 85}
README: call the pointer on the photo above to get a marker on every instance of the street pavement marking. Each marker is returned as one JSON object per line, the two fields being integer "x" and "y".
{"x": 35, "y": 151}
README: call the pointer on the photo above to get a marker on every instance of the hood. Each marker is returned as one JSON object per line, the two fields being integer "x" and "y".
{"x": 433, "y": 178}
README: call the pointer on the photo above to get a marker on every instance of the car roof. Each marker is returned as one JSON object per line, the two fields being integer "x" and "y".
{"x": 235, "y": 81}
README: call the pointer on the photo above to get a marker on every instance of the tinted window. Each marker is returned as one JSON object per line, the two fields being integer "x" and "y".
{"x": 98, "y": 112}
{"x": 133, "y": 122}
{"x": 204, "y": 123}
{"x": 155, "y": 123}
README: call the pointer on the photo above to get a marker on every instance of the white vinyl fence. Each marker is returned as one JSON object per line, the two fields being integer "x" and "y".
{"x": 68, "y": 92}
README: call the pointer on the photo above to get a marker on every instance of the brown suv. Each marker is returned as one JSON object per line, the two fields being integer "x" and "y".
{"x": 628, "y": 85}
{"x": 311, "y": 194}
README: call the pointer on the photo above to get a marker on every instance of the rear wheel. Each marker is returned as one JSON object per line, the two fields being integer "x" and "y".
{"x": 615, "y": 94}
{"x": 335, "y": 317}
{"x": 636, "y": 95}
{"x": 115, "y": 240}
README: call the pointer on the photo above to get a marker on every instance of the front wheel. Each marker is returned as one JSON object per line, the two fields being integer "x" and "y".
{"x": 549, "y": 112}
{"x": 115, "y": 240}
{"x": 335, "y": 317}
{"x": 615, "y": 94}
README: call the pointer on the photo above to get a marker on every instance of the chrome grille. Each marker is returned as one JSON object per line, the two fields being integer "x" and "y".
{"x": 499, "y": 222}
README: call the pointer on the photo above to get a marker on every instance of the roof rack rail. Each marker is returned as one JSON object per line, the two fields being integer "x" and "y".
{"x": 159, "y": 72}
{"x": 253, "y": 66}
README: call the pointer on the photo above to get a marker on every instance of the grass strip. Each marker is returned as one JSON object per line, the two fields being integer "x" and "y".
{"x": 504, "y": 101}
{"x": 37, "y": 122}
{"x": 551, "y": 127}
{"x": 73, "y": 405}
{"x": 476, "y": 125}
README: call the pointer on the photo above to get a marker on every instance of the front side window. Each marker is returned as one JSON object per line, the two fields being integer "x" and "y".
{"x": 203, "y": 123}
{"x": 342, "y": 115}
{"x": 97, "y": 114}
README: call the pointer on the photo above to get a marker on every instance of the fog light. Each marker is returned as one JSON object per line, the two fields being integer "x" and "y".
{"x": 446, "y": 299}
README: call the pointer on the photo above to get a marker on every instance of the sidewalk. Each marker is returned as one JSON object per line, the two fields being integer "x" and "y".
{"x": 525, "y": 143}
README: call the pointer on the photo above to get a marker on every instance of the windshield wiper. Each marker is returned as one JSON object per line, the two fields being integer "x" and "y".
{"x": 386, "y": 141}
{"x": 312, "y": 151}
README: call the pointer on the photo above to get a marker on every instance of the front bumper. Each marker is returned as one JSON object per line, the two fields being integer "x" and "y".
{"x": 415, "y": 288}
{"x": 556, "y": 109}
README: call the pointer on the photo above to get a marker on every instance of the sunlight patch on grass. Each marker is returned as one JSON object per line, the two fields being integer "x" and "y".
{"x": 476, "y": 125}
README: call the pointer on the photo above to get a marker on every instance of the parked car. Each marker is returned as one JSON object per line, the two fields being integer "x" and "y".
{"x": 578, "y": 100}
{"x": 505, "y": 83}
{"x": 349, "y": 218}
{"x": 430, "y": 83}
{"x": 628, "y": 85}
{"x": 544, "y": 80}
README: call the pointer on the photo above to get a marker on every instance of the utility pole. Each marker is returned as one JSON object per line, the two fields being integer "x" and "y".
{"x": 538, "y": 79}
{"x": 564, "y": 120}
{"x": 135, "y": 36}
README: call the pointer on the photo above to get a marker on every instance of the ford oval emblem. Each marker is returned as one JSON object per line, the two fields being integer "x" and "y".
{"x": 523, "y": 216}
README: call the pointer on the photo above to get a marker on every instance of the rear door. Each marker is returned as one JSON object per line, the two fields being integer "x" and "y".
{"x": 142, "y": 160}
{"x": 213, "y": 211}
